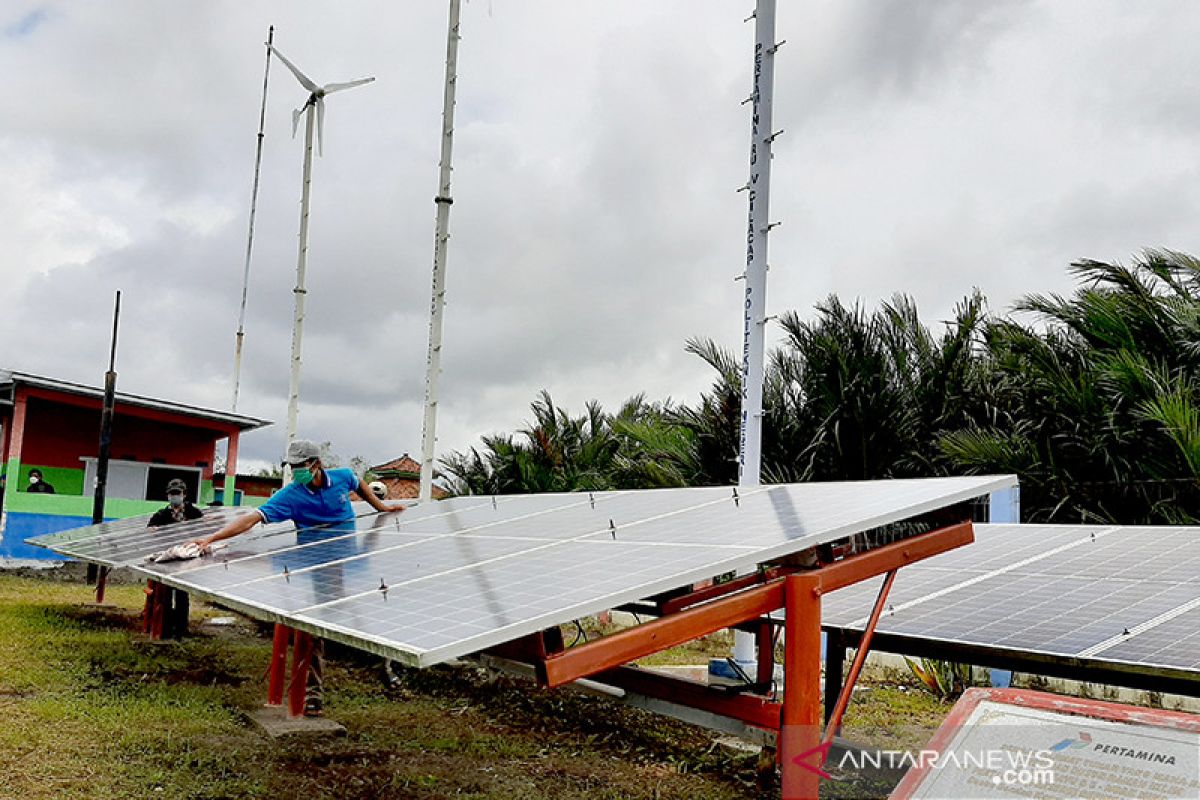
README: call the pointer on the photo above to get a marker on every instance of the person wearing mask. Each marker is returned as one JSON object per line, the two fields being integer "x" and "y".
{"x": 37, "y": 484}
{"x": 317, "y": 501}
{"x": 176, "y": 605}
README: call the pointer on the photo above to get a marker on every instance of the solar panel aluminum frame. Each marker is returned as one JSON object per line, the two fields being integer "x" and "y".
{"x": 424, "y": 657}
{"x": 1086, "y": 669}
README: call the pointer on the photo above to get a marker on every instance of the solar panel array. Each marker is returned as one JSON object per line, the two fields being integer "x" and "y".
{"x": 1129, "y": 595}
{"x": 446, "y": 579}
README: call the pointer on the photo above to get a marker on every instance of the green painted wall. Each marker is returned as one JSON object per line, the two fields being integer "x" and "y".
{"x": 76, "y": 505}
{"x": 63, "y": 479}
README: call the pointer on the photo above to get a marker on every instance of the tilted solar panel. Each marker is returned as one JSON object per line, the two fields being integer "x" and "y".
{"x": 446, "y": 579}
{"x": 1105, "y": 593}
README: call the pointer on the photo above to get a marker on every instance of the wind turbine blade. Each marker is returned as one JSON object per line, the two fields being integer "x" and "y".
{"x": 300, "y": 76}
{"x": 330, "y": 88}
{"x": 296, "y": 115}
{"x": 320, "y": 126}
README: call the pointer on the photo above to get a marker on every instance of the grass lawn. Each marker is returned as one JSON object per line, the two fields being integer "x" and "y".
{"x": 92, "y": 708}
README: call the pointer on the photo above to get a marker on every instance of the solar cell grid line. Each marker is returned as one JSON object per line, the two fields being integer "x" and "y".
{"x": 133, "y": 540}
{"x": 676, "y": 580}
{"x": 995, "y": 546}
{"x": 1174, "y": 643}
{"x": 520, "y": 519}
{"x": 721, "y": 502}
{"x": 139, "y": 540}
{"x": 1138, "y": 630}
{"x": 1162, "y": 554}
{"x": 1065, "y": 617}
{"x": 116, "y": 552}
{"x": 540, "y": 546}
{"x": 845, "y": 605}
{"x": 1016, "y": 567}
{"x": 113, "y": 528}
{"x": 441, "y": 619}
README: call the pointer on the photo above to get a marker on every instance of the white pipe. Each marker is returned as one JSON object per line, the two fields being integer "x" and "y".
{"x": 441, "y": 237}
{"x": 299, "y": 290}
{"x": 754, "y": 308}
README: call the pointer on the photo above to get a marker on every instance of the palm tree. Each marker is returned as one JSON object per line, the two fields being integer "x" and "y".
{"x": 1097, "y": 409}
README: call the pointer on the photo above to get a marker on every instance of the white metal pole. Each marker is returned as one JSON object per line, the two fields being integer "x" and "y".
{"x": 230, "y": 445}
{"x": 754, "y": 308}
{"x": 241, "y": 328}
{"x": 441, "y": 237}
{"x": 301, "y": 264}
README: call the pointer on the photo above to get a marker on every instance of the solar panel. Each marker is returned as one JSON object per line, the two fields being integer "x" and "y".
{"x": 450, "y": 578}
{"x": 1105, "y": 593}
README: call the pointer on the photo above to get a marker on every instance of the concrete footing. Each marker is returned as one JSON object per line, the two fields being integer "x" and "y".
{"x": 275, "y": 722}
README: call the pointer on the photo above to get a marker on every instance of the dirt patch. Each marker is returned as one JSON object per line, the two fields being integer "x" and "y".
{"x": 65, "y": 572}
{"x": 103, "y": 616}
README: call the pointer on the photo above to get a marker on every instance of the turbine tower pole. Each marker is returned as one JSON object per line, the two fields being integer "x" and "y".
{"x": 441, "y": 237}
{"x": 754, "y": 308}
{"x": 313, "y": 107}
{"x": 301, "y": 264}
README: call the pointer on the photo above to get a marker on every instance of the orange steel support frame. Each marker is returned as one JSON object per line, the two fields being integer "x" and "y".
{"x": 295, "y": 686}
{"x": 302, "y": 651}
{"x": 277, "y": 669}
{"x": 801, "y": 751}
{"x": 835, "y": 719}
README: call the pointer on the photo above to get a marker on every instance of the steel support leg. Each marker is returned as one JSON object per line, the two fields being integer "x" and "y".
{"x": 864, "y": 646}
{"x": 277, "y": 669}
{"x": 835, "y": 663}
{"x": 800, "y": 753}
{"x": 765, "y": 642}
{"x": 302, "y": 650}
{"x": 101, "y": 582}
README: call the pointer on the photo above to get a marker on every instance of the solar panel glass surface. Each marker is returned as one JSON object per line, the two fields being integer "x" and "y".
{"x": 466, "y": 573}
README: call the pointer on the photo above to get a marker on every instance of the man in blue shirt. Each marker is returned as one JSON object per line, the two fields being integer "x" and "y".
{"x": 315, "y": 497}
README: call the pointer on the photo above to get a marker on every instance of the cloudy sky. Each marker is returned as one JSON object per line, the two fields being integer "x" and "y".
{"x": 929, "y": 147}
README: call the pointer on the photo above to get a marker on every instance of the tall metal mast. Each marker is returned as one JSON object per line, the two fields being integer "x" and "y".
{"x": 230, "y": 450}
{"x": 754, "y": 309}
{"x": 758, "y": 190}
{"x": 441, "y": 237}
{"x": 241, "y": 329}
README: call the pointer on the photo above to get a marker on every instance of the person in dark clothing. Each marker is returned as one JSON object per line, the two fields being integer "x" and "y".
{"x": 37, "y": 484}
{"x": 179, "y": 509}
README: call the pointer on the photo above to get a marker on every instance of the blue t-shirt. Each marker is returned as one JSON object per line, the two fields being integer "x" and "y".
{"x": 307, "y": 506}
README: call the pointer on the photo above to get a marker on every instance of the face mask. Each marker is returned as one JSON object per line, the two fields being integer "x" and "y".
{"x": 33, "y": 479}
{"x": 302, "y": 475}
{"x": 175, "y": 499}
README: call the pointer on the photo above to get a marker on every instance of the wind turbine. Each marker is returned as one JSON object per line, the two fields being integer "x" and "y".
{"x": 314, "y": 106}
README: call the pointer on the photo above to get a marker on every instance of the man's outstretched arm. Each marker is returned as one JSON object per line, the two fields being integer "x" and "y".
{"x": 379, "y": 505}
{"x": 239, "y": 524}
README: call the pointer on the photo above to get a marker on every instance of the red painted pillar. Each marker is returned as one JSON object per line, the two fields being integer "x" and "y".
{"x": 277, "y": 670}
{"x": 160, "y": 608}
{"x": 16, "y": 438}
{"x": 800, "y": 751}
{"x": 301, "y": 656}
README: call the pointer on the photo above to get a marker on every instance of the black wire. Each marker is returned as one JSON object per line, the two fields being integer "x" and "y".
{"x": 582, "y": 634}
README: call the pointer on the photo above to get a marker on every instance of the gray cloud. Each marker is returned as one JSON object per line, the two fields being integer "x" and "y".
{"x": 929, "y": 148}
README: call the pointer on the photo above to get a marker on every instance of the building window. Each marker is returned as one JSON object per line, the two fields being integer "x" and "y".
{"x": 135, "y": 480}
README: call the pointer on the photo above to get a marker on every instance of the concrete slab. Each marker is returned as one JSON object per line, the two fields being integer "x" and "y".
{"x": 275, "y": 722}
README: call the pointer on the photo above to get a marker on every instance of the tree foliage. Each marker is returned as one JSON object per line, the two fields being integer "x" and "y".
{"x": 1091, "y": 399}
